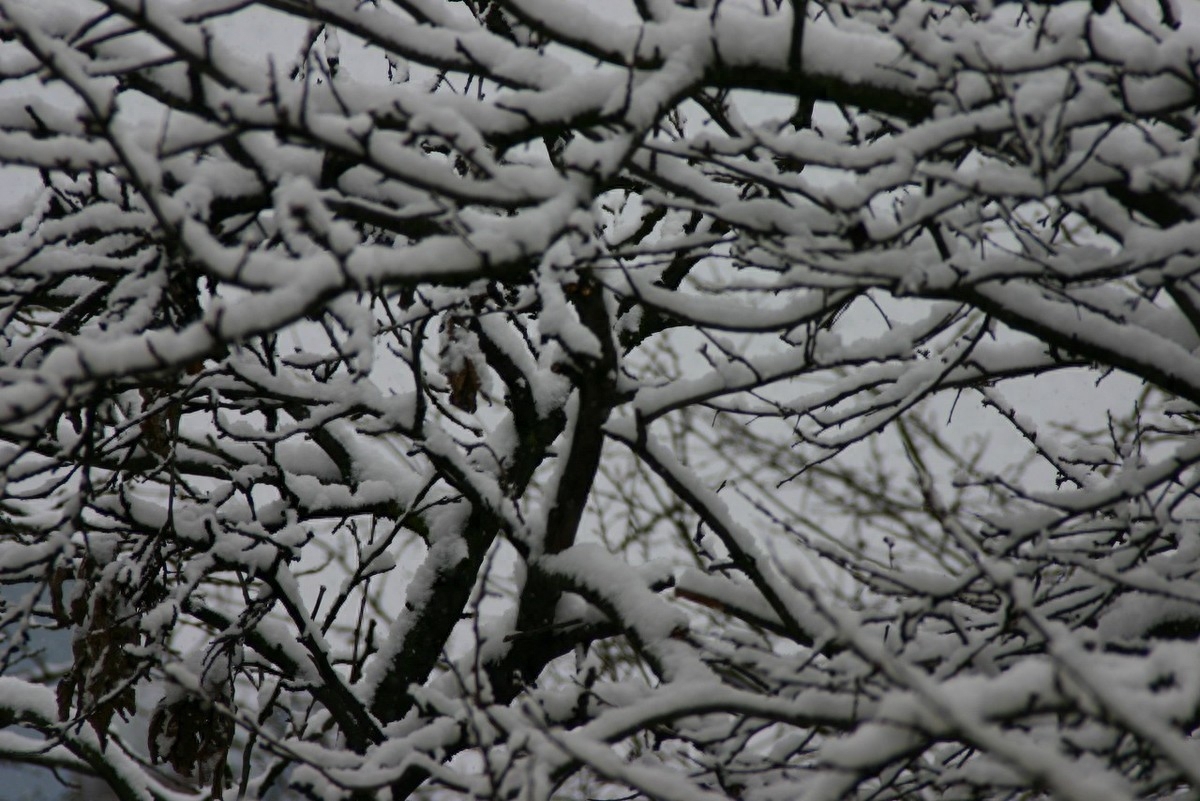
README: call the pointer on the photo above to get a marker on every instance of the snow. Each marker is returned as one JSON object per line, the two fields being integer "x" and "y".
{"x": 835, "y": 547}
{"x": 25, "y": 698}
{"x": 589, "y": 567}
